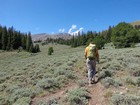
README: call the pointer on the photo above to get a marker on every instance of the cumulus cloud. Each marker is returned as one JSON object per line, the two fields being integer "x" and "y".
{"x": 74, "y": 27}
{"x": 77, "y": 31}
{"x": 61, "y": 30}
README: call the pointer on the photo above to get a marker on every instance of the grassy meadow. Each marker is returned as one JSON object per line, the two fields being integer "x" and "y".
{"x": 24, "y": 75}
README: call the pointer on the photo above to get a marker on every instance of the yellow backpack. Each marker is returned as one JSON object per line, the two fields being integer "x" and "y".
{"x": 91, "y": 51}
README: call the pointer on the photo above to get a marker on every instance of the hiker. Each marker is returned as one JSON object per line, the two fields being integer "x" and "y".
{"x": 92, "y": 56}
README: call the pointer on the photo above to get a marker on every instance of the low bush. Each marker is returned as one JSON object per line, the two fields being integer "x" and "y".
{"x": 105, "y": 73}
{"x": 61, "y": 80}
{"x": 47, "y": 83}
{"x": 78, "y": 96}
{"x": 107, "y": 82}
{"x": 50, "y": 50}
{"x": 138, "y": 81}
{"x": 106, "y": 65}
{"x": 51, "y": 84}
{"x": 81, "y": 83}
{"x": 23, "y": 101}
{"x": 2, "y": 87}
{"x": 22, "y": 92}
{"x": 70, "y": 74}
{"x": 4, "y": 100}
{"x": 115, "y": 65}
{"x": 130, "y": 81}
{"x": 59, "y": 71}
{"x": 135, "y": 72}
{"x": 51, "y": 101}
{"x": 12, "y": 88}
{"x": 118, "y": 99}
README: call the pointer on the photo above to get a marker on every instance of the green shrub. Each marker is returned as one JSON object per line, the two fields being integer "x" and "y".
{"x": 70, "y": 74}
{"x": 107, "y": 82}
{"x": 138, "y": 81}
{"x": 23, "y": 101}
{"x": 106, "y": 65}
{"x": 135, "y": 72}
{"x": 2, "y": 79}
{"x": 104, "y": 74}
{"x": 22, "y": 92}
{"x": 78, "y": 96}
{"x": 2, "y": 87}
{"x": 130, "y": 81}
{"x": 51, "y": 101}
{"x": 50, "y": 50}
{"x": 118, "y": 99}
{"x": 4, "y": 100}
{"x": 81, "y": 83}
{"x": 70, "y": 63}
{"x": 61, "y": 80}
{"x": 47, "y": 83}
{"x": 115, "y": 65}
{"x": 59, "y": 71}
{"x": 12, "y": 88}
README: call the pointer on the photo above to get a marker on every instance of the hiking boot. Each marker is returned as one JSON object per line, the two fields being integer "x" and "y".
{"x": 93, "y": 82}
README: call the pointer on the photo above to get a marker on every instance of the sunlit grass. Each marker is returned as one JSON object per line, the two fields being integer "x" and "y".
{"x": 24, "y": 75}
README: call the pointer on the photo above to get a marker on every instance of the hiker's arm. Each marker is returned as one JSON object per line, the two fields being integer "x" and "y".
{"x": 85, "y": 53}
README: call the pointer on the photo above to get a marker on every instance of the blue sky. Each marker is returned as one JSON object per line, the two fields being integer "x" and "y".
{"x": 54, "y": 16}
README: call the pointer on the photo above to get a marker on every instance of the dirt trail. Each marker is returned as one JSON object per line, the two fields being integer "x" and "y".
{"x": 58, "y": 95}
{"x": 96, "y": 91}
{"x": 97, "y": 95}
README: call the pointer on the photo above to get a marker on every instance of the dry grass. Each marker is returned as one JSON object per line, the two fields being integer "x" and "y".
{"x": 24, "y": 75}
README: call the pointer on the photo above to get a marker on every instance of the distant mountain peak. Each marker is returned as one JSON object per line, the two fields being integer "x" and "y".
{"x": 135, "y": 23}
{"x": 44, "y": 36}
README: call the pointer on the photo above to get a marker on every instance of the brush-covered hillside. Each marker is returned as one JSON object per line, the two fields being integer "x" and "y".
{"x": 61, "y": 78}
{"x": 136, "y": 24}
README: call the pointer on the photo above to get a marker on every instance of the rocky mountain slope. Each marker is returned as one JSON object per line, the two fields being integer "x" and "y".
{"x": 44, "y": 36}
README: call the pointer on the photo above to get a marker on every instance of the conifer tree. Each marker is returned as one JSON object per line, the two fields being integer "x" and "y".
{"x": 28, "y": 42}
{"x": 14, "y": 40}
{"x": 37, "y": 48}
{"x": 10, "y": 34}
{"x": 4, "y": 38}
{"x": 0, "y": 37}
{"x": 31, "y": 49}
{"x": 23, "y": 41}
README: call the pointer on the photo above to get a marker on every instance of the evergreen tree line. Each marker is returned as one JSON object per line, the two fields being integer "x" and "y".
{"x": 10, "y": 39}
{"x": 84, "y": 39}
{"x": 122, "y": 35}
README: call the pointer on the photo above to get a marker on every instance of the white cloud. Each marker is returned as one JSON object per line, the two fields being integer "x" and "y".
{"x": 72, "y": 28}
{"x": 61, "y": 30}
{"x": 75, "y": 32}
{"x": 80, "y": 29}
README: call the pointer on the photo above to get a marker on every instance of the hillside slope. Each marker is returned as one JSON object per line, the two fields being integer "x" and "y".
{"x": 135, "y": 23}
{"x": 44, "y": 36}
{"x": 40, "y": 79}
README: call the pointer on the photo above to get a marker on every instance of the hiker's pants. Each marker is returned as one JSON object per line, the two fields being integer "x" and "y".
{"x": 91, "y": 66}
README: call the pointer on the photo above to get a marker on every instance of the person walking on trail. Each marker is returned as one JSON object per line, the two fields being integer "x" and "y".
{"x": 91, "y": 55}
